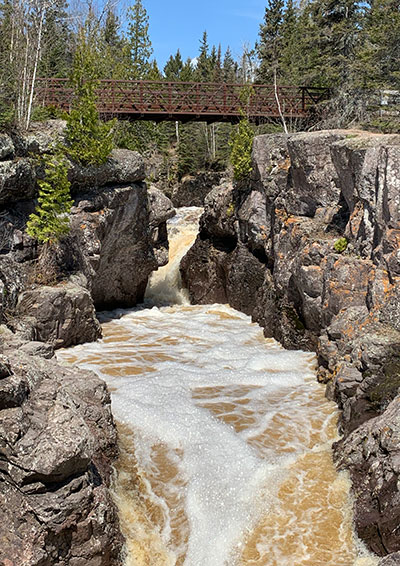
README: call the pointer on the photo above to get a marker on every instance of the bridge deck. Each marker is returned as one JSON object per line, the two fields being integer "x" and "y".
{"x": 165, "y": 100}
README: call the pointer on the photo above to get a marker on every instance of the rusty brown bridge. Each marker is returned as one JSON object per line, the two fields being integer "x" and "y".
{"x": 185, "y": 101}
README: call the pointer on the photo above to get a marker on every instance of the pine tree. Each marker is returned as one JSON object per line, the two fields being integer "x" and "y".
{"x": 50, "y": 220}
{"x": 271, "y": 41}
{"x": 378, "y": 53}
{"x": 188, "y": 73}
{"x": 229, "y": 67}
{"x": 88, "y": 139}
{"x": 138, "y": 40}
{"x": 7, "y": 67}
{"x": 241, "y": 146}
{"x": 335, "y": 30}
{"x": 56, "y": 58}
{"x": 289, "y": 52}
{"x": 204, "y": 67}
{"x": 217, "y": 71}
{"x": 173, "y": 67}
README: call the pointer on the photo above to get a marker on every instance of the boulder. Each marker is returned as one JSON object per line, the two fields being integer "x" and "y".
{"x": 160, "y": 210}
{"x": 6, "y": 147}
{"x": 57, "y": 443}
{"x": 122, "y": 167}
{"x": 113, "y": 232}
{"x": 391, "y": 560}
{"x": 193, "y": 189}
{"x": 314, "y": 180}
{"x": 42, "y": 137}
{"x": 63, "y": 315}
{"x": 372, "y": 455}
{"x": 17, "y": 180}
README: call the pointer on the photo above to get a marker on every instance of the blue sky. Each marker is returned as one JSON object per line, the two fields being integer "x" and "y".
{"x": 180, "y": 24}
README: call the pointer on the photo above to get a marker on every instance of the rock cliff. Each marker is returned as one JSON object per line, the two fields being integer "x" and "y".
{"x": 57, "y": 436}
{"x": 310, "y": 248}
{"x": 118, "y": 237}
{"x": 57, "y": 443}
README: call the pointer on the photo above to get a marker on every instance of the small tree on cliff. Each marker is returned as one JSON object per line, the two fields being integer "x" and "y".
{"x": 50, "y": 220}
{"x": 88, "y": 139}
{"x": 241, "y": 144}
{"x": 242, "y": 139}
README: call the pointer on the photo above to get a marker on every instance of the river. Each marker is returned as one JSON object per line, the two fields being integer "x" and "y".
{"x": 225, "y": 436}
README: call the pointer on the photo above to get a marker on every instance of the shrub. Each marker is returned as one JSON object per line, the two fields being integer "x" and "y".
{"x": 241, "y": 145}
{"x": 340, "y": 245}
{"x": 50, "y": 220}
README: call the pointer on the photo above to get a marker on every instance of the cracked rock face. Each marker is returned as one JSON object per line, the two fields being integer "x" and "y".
{"x": 118, "y": 237}
{"x": 57, "y": 443}
{"x": 275, "y": 237}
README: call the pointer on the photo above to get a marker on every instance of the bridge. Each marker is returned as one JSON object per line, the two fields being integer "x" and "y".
{"x": 185, "y": 101}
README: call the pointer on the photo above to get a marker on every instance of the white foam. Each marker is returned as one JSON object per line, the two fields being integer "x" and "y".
{"x": 224, "y": 473}
{"x": 182, "y": 378}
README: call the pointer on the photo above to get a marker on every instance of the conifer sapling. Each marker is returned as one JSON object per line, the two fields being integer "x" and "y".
{"x": 50, "y": 220}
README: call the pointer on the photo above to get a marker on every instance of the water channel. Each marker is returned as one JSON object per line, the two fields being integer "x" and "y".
{"x": 225, "y": 436}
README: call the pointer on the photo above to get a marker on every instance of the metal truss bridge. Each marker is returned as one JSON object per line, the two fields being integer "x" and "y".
{"x": 185, "y": 101}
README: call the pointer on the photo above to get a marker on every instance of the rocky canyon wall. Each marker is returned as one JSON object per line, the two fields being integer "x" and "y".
{"x": 57, "y": 436}
{"x": 309, "y": 247}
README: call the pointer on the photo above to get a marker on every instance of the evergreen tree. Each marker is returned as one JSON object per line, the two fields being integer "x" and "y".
{"x": 336, "y": 25}
{"x": 188, "y": 72}
{"x": 50, "y": 220}
{"x": 173, "y": 67}
{"x": 229, "y": 68}
{"x": 289, "y": 53}
{"x": 378, "y": 54}
{"x": 217, "y": 71}
{"x": 204, "y": 66}
{"x": 241, "y": 146}
{"x": 56, "y": 58}
{"x": 7, "y": 67}
{"x": 88, "y": 139}
{"x": 114, "y": 55}
{"x": 271, "y": 41}
{"x": 138, "y": 40}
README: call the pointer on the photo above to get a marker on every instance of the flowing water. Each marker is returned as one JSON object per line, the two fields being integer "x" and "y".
{"x": 225, "y": 436}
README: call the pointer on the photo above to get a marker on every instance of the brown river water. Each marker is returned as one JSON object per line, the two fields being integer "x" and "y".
{"x": 225, "y": 436}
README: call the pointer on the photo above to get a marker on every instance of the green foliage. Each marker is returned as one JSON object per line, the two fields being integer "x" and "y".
{"x": 138, "y": 40}
{"x": 241, "y": 145}
{"x": 173, "y": 67}
{"x": 88, "y": 140}
{"x": 377, "y": 56}
{"x": 340, "y": 245}
{"x": 50, "y": 220}
{"x": 270, "y": 44}
{"x": 56, "y": 56}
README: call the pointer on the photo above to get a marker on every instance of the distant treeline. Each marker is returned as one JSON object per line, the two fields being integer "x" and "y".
{"x": 342, "y": 44}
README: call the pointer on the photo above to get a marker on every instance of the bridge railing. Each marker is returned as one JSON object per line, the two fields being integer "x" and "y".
{"x": 126, "y": 97}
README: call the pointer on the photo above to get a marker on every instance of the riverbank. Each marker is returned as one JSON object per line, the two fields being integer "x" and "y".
{"x": 58, "y": 439}
{"x": 309, "y": 247}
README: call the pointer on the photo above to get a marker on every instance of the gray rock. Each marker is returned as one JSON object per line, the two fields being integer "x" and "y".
{"x": 57, "y": 443}
{"x": 391, "y": 560}
{"x": 122, "y": 167}
{"x": 62, "y": 315}
{"x": 160, "y": 210}
{"x": 42, "y": 137}
{"x": 113, "y": 232}
{"x": 17, "y": 180}
{"x": 192, "y": 190}
{"x": 315, "y": 182}
{"x": 372, "y": 455}
{"x": 6, "y": 147}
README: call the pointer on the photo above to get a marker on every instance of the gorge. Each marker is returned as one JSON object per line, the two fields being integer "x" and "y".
{"x": 269, "y": 248}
